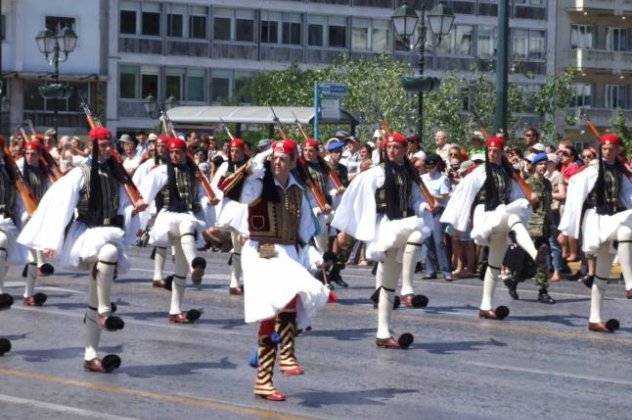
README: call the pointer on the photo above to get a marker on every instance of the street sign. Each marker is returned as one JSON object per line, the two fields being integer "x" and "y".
{"x": 334, "y": 89}
{"x": 330, "y": 109}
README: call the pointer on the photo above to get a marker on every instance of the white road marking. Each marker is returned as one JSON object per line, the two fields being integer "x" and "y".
{"x": 61, "y": 408}
{"x": 551, "y": 373}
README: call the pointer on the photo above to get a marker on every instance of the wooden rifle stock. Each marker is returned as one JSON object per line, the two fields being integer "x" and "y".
{"x": 130, "y": 188}
{"x": 593, "y": 128}
{"x": 335, "y": 179}
{"x": 524, "y": 187}
{"x": 432, "y": 202}
{"x": 206, "y": 186}
{"x": 52, "y": 167}
{"x": 301, "y": 167}
{"x": 28, "y": 199}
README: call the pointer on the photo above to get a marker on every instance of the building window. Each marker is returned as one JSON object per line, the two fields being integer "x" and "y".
{"x": 137, "y": 82}
{"x": 292, "y": 28}
{"x": 368, "y": 34}
{"x": 582, "y": 95}
{"x": 269, "y": 30}
{"x": 243, "y": 81}
{"x": 315, "y": 35}
{"x": 221, "y": 28}
{"x": 220, "y": 85}
{"x": 175, "y": 24}
{"x": 337, "y": 32}
{"x": 174, "y": 78}
{"x": 485, "y": 41}
{"x": 458, "y": 41}
{"x": 528, "y": 44}
{"x": 3, "y": 31}
{"x": 615, "y": 96}
{"x": 234, "y": 25}
{"x": 581, "y": 36}
{"x": 327, "y": 31}
{"x": 151, "y": 23}
{"x": 58, "y": 22}
{"x": 196, "y": 85}
{"x": 617, "y": 39}
{"x": 197, "y": 27}
{"x": 245, "y": 27}
{"x": 127, "y": 22}
{"x": 148, "y": 85}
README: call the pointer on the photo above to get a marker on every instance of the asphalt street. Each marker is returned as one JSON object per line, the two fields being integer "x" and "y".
{"x": 539, "y": 363}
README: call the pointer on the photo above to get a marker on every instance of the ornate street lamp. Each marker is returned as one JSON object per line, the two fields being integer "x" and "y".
{"x": 56, "y": 47}
{"x": 153, "y": 106}
{"x": 405, "y": 21}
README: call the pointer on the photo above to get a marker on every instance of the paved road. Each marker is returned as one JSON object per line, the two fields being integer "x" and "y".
{"x": 539, "y": 363}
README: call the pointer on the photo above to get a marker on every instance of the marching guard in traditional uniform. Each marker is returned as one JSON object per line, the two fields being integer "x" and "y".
{"x": 159, "y": 253}
{"x": 231, "y": 215}
{"x": 599, "y": 210}
{"x": 94, "y": 239}
{"x": 492, "y": 198}
{"x": 12, "y": 212}
{"x": 384, "y": 207}
{"x": 36, "y": 176}
{"x": 279, "y": 292}
{"x": 180, "y": 221}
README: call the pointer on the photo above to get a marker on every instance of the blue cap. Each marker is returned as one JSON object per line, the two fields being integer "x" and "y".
{"x": 334, "y": 145}
{"x": 540, "y": 157}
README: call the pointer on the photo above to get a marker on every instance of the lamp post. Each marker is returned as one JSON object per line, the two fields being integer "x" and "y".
{"x": 502, "y": 66}
{"x": 153, "y": 106}
{"x": 56, "y": 47}
{"x": 405, "y": 20}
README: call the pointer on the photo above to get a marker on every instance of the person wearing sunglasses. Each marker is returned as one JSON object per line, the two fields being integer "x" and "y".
{"x": 599, "y": 207}
{"x": 500, "y": 212}
{"x": 588, "y": 155}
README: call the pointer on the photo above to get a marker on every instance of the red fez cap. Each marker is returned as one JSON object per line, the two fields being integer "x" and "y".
{"x": 32, "y": 145}
{"x": 39, "y": 137}
{"x": 1, "y": 140}
{"x": 609, "y": 138}
{"x": 285, "y": 146}
{"x": 310, "y": 143}
{"x": 162, "y": 139}
{"x": 397, "y": 138}
{"x": 100, "y": 133}
{"x": 237, "y": 143}
{"x": 176, "y": 143}
{"x": 495, "y": 142}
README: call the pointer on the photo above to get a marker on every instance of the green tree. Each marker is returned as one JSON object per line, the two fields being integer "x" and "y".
{"x": 556, "y": 93}
{"x": 619, "y": 126}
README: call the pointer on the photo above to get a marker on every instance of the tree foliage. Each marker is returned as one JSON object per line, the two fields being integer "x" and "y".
{"x": 459, "y": 106}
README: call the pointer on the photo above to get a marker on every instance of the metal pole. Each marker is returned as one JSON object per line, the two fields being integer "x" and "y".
{"x": 2, "y": 89}
{"x": 502, "y": 66}
{"x": 56, "y": 103}
{"x": 422, "y": 51}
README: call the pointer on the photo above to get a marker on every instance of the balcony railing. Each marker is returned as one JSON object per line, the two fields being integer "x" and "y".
{"x": 188, "y": 48}
{"x": 140, "y": 45}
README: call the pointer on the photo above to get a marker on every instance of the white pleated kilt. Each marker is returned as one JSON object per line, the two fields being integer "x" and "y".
{"x": 597, "y": 229}
{"x": 167, "y": 221}
{"x": 394, "y": 234}
{"x": 270, "y": 284}
{"x": 486, "y": 221}
{"x": 83, "y": 243}
{"x": 17, "y": 253}
{"x": 232, "y": 214}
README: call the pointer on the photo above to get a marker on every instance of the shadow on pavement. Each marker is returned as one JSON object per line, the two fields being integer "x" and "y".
{"x": 317, "y": 399}
{"x": 176, "y": 369}
{"x": 447, "y": 348}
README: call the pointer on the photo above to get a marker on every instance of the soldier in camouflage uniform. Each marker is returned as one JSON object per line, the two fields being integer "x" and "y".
{"x": 539, "y": 228}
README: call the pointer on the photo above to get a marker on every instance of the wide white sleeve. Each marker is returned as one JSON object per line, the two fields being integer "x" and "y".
{"x": 149, "y": 188}
{"x": 45, "y": 229}
{"x": 357, "y": 212}
{"x": 308, "y": 223}
{"x": 221, "y": 172}
{"x": 579, "y": 186}
{"x": 458, "y": 209}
